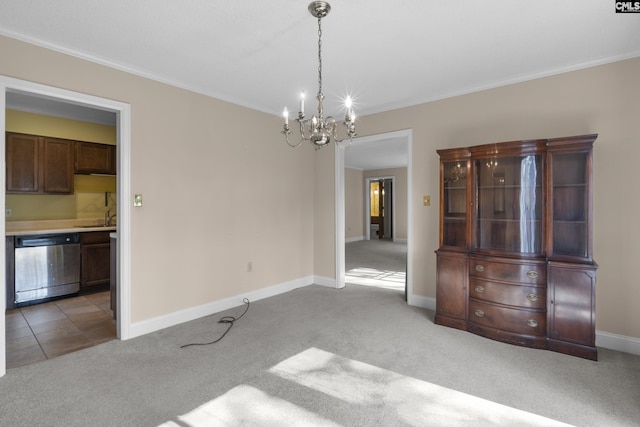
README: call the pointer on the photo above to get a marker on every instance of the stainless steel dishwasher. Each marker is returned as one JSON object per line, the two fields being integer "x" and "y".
{"x": 46, "y": 266}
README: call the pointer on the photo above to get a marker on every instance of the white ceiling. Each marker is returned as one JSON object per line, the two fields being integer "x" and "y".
{"x": 386, "y": 55}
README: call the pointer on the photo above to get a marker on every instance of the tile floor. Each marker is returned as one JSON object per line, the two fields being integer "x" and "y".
{"x": 44, "y": 331}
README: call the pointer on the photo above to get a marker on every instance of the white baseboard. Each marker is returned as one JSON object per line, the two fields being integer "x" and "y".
{"x": 399, "y": 240}
{"x": 353, "y": 239}
{"x": 324, "y": 281}
{"x": 186, "y": 315}
{"x": 618, "y": 342}
{"x": 422, "y": 302}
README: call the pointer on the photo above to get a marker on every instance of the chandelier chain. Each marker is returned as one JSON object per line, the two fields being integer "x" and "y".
{"x": 319, "y": 57}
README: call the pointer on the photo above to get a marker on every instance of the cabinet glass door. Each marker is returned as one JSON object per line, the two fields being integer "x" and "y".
{"x": 454, "y": 204}
{"x": 570, "y": 204}
{"x": 509, "y": 204}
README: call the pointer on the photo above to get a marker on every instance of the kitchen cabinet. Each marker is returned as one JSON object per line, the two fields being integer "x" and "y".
{"x": 95, "y": 270}
{"x": 515, "y": 262}
{"x": 38, "y": 165}
{"x": 95, "y": 158}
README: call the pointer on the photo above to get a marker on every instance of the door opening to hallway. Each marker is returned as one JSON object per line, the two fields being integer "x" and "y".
{"x": 381, "y": 209}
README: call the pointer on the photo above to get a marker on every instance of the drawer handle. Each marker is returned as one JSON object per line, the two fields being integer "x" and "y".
{"x": 479, "y": 313}
{"x": 532, "y": 297}
{"x": 532, "y": 274}
{"x": 479, "y": 267}
{"x": 479, "y": 289}
{"x": 532, "y": 323}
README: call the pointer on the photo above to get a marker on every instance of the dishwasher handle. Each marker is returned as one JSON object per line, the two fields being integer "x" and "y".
{"x": 47, "y": 240}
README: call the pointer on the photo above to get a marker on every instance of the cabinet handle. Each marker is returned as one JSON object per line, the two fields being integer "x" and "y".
{"x": 532, "y": 323}
{"x": 532, "y": 274}
{"x": 479, "y": 313}
{"x": 479, "y": 289}
{"x": 479, "y": 267}
{"x": 532, "y": 297}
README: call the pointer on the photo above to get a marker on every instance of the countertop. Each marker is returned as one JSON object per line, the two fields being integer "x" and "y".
{"x": 22, "y": 228}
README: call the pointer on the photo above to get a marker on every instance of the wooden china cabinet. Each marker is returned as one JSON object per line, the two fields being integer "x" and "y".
{"x": 515, "y": 257}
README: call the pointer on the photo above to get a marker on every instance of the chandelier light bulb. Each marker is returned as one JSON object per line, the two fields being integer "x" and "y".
{"x": 285, "y": 114}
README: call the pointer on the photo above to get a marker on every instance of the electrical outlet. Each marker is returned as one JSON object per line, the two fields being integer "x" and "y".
{"x": 8, "y": 212}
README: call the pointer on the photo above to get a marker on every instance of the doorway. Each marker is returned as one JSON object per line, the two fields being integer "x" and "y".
{"x": 123, "y": 118}
{"x": 376, "y": 152}
{"x": 380, "y": 220}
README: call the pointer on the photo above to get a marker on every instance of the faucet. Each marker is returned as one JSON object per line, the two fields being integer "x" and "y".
{"x": 108, "y": 218}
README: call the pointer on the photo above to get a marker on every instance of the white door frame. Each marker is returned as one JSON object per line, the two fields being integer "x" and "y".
{"x": 340, "y": 239}
{"x": 123, "y": 113}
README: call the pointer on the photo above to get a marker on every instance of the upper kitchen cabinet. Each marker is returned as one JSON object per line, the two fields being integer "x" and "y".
{"x": 95, "y": 158}
{"x": 38, "y": 165}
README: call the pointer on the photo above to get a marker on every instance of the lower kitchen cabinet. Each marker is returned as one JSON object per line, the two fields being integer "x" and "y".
{"x": 96, "y": 264}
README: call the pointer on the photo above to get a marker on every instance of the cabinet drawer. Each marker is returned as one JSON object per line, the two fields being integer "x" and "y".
{"x": 521, "y": 321}
{"x": 502, "y": 293}
{"x": 529, "y": 273}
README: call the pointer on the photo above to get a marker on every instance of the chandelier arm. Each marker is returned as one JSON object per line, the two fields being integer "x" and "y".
{"x": 349, "y": 135}
{"x": 286, "y": 134}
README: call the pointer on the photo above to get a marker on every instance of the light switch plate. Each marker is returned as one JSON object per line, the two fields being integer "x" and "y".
{"x": 426, "y": 200}
{"x": 137, "y": 200}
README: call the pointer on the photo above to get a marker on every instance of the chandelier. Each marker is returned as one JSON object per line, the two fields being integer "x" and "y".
{"x": 318, "y": 129}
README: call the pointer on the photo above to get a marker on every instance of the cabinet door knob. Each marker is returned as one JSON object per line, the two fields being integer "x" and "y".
{"x": 479, "y": 267}
{"x": 479, "y": 289}
{"x": 479, "y": 313}
{"x": 532, "y": 274}
{"x": 532, "y": 323}
{"x": 532, "y": 297}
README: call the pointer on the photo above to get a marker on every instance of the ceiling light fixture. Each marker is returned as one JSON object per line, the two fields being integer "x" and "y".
{"x": 318, "y": 129}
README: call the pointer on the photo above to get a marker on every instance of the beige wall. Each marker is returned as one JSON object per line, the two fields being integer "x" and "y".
{"x": 220, "y": 186}
{"x": 400, "y": 195}
{"x": 324, "y": 224}
{"x": 603, "y": 100}
{"x": 197, "y": 162}
{"x": 354, "y": 201}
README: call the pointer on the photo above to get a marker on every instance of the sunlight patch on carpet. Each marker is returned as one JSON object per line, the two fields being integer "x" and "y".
{"x": 417, "y": 402}
{"x": 378, "y": 278}
{"x": 247, "y": 406}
